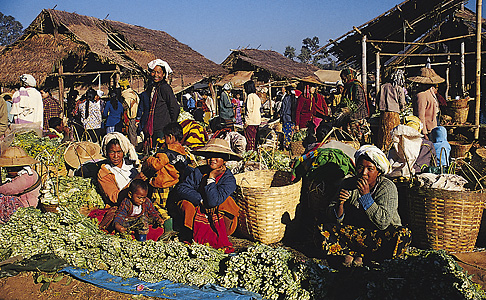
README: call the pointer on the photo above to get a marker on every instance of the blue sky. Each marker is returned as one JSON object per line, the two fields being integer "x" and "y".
{"x": 214, "y": 27}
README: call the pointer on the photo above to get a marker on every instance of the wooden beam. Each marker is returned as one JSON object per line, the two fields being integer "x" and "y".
{"x": 82, "y": 74}
{"x": 61, "y": 87}
{"x": 479, "y": 18}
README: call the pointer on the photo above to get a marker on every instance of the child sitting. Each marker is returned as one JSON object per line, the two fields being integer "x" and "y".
{"x": 58, "y": 129}
{"x": 136, "y": 211}
{"x": 442, "y": 146}
{"x": 166, "y": 169}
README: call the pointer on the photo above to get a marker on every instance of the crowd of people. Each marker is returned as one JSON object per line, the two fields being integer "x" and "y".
{"x": 147, "y": 174}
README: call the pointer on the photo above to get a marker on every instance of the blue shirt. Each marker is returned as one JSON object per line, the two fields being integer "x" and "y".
{"x": 113, "y": 116}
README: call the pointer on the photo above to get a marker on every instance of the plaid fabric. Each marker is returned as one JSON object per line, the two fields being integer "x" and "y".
{"x": 202, "y": 104}
{"x": 159, "y": 199}
{"x": 126, "y": 207}
{"x": 52, "y": 108}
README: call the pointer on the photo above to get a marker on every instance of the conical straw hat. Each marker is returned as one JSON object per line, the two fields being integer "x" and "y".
{"x": 427, "y": 76}
{"x": 16, "y": 157}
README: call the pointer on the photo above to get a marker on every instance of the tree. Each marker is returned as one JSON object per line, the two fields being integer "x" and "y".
{"x": 310, "y": 45}
{"x": 10, "y": 30}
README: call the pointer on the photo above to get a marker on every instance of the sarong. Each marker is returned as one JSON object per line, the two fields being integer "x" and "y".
{"x": 250, "y": 135}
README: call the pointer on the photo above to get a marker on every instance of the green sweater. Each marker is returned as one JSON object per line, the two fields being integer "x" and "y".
{"x": 381, "y": 203}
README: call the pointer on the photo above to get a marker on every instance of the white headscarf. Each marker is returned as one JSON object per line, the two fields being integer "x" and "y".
{"x": 28, "y": 80}
{"x": 377, "y": 157}
{"x": 158, "y": 62}
{"x": 125, "y": 145}
{"x": 100, "y": 93}
{"x": 227, "y": 86}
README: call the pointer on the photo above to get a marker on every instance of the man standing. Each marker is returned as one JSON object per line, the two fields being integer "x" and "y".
{"x": 225, "y": 106}
{"x": 27, "y": 106}
{"x": 131, "y": 101}
{"x": 52, "y": 108}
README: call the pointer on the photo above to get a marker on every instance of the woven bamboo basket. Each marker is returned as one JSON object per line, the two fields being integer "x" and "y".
{"x": 448, "y": 220}
{"x": 296, "y": 148}
{"x": 458, "y": 103}
{"x": 266, "y": 199}
{"x": 459, "y": 114}
{"x": 49, "y": 207}
{"x": 459, "y": 149}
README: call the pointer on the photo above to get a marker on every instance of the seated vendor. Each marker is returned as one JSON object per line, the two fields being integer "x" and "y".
{"x": 165, "y": 169}
{"x": 119, "y": 171}
{"x": 21, "y": 188}
{"x": 365, "y": 216}
{"x": 220, "y": 130}
{"x": 207, "y": 189}
{"x": 57, "y": 129}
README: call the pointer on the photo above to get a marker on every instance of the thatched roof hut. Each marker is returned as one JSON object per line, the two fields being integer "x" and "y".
{"x": 267, "y": 65}
{"x": 81, "y": 47}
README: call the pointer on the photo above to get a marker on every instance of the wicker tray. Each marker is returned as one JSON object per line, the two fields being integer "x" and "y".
{"x": 265, "y": 207}
{"x": 447, "y": 220}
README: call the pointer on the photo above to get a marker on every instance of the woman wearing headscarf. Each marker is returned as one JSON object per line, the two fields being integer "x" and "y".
{"x": 391, "y": 100}
{"x": 164, "y": 108}
{"x": 355, "y": 98}
{"x": 425, "y": 103}
{"x": 21, "y": 188}
{"x": 365, "y": 216}
{"x": 27, "y": 105}
{"x": 253, "y": 116}
{"x": 121, "y": 168}
{"x": 225, "y": 106}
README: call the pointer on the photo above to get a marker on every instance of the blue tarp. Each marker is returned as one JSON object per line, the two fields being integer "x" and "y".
{"x": 164, "y": 289}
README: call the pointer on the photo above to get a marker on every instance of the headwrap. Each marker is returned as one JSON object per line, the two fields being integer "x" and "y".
{"x": 414, "y": 122}
{"x": 376, "y": 156}
{"x": 227, "y": 86}
{"x": 124, "y": 84}
{"x": 158, "y": 62}
{"x": 339, "y": 83}
{"x": 28, "y": 80}
{"x": 349, "y": 71}
{"x": 99, "y": 93}
{"x": 125, "y": 145}
{"x": 398, "y": 78}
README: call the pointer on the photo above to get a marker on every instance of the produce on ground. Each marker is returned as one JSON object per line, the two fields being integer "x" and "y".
{"x": 272, "y": 272}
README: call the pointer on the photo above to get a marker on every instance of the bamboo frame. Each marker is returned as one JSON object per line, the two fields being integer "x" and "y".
{"x": 479, "y": 18}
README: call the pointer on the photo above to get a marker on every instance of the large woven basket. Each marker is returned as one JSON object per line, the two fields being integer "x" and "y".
{"x": 448, "y": 220}
{"x": 459, "y": 114}
{"x": 267, "y": 199}
{"x": 459, "y": 149}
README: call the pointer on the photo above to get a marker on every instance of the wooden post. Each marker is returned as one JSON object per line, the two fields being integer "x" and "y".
{"x": 479, "y": 18}
{"x": 448, "y": 70}
{"x": 61, "y": 87}
{"x": 377, "y": 80}
{"x": 270, "y": 97}
{"x": 364, "y": 78}
{"x": 213, "y": 95}
{"x": 463, "y": 68}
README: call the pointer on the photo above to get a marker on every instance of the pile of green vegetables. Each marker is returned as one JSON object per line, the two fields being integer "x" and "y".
{"x": 270, "y": 159}
{"x": 272, "y": 272}
{"x": 48, "y": 151}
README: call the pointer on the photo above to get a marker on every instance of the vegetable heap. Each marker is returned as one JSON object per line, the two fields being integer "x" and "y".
{"x": 276, "y": 160}
{"x": 48, "y": 151}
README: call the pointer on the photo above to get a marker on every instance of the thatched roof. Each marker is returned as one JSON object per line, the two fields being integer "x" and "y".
{"x": 273, "y": 62}
{"x": 422, "y": 19}
{"x": 113, "y": 43}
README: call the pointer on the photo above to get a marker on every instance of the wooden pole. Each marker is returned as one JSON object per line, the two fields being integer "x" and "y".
{"x": 364, "y": 78}
{"x": 61, "y": 87}
{"x": 270, "y": 97}
{"x": 377, "y": 80}
{"x": 463, "y": 68}
{"x": 479, "y": 18}
{"x": 448, "y": 70}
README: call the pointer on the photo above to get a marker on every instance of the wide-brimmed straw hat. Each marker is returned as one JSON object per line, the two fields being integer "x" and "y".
{"x": 218, "y": 148}
{"x": 78, "y": 153}
{"x": 427, "y": 76}
{"x": 16, "y": 157}
{"x": 311, "y": 79}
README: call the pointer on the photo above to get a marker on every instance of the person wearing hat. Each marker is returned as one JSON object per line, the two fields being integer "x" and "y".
{"x": 366, "y": 223}
{"x": 164, "y": 107}
{"x": 425, "y": 104}
{"x": 131, "y": 101}
{"x": 23, "y": 183}
{"x": 207, "y": 189}
{"x": 225, "y": 106}
{"x": 79, "y": 155}
{"x": 27, "y": 106}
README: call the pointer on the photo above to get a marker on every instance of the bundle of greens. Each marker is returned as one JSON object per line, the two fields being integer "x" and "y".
{"x": 271, "y": 159}
{"x": 299, "y": 135}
